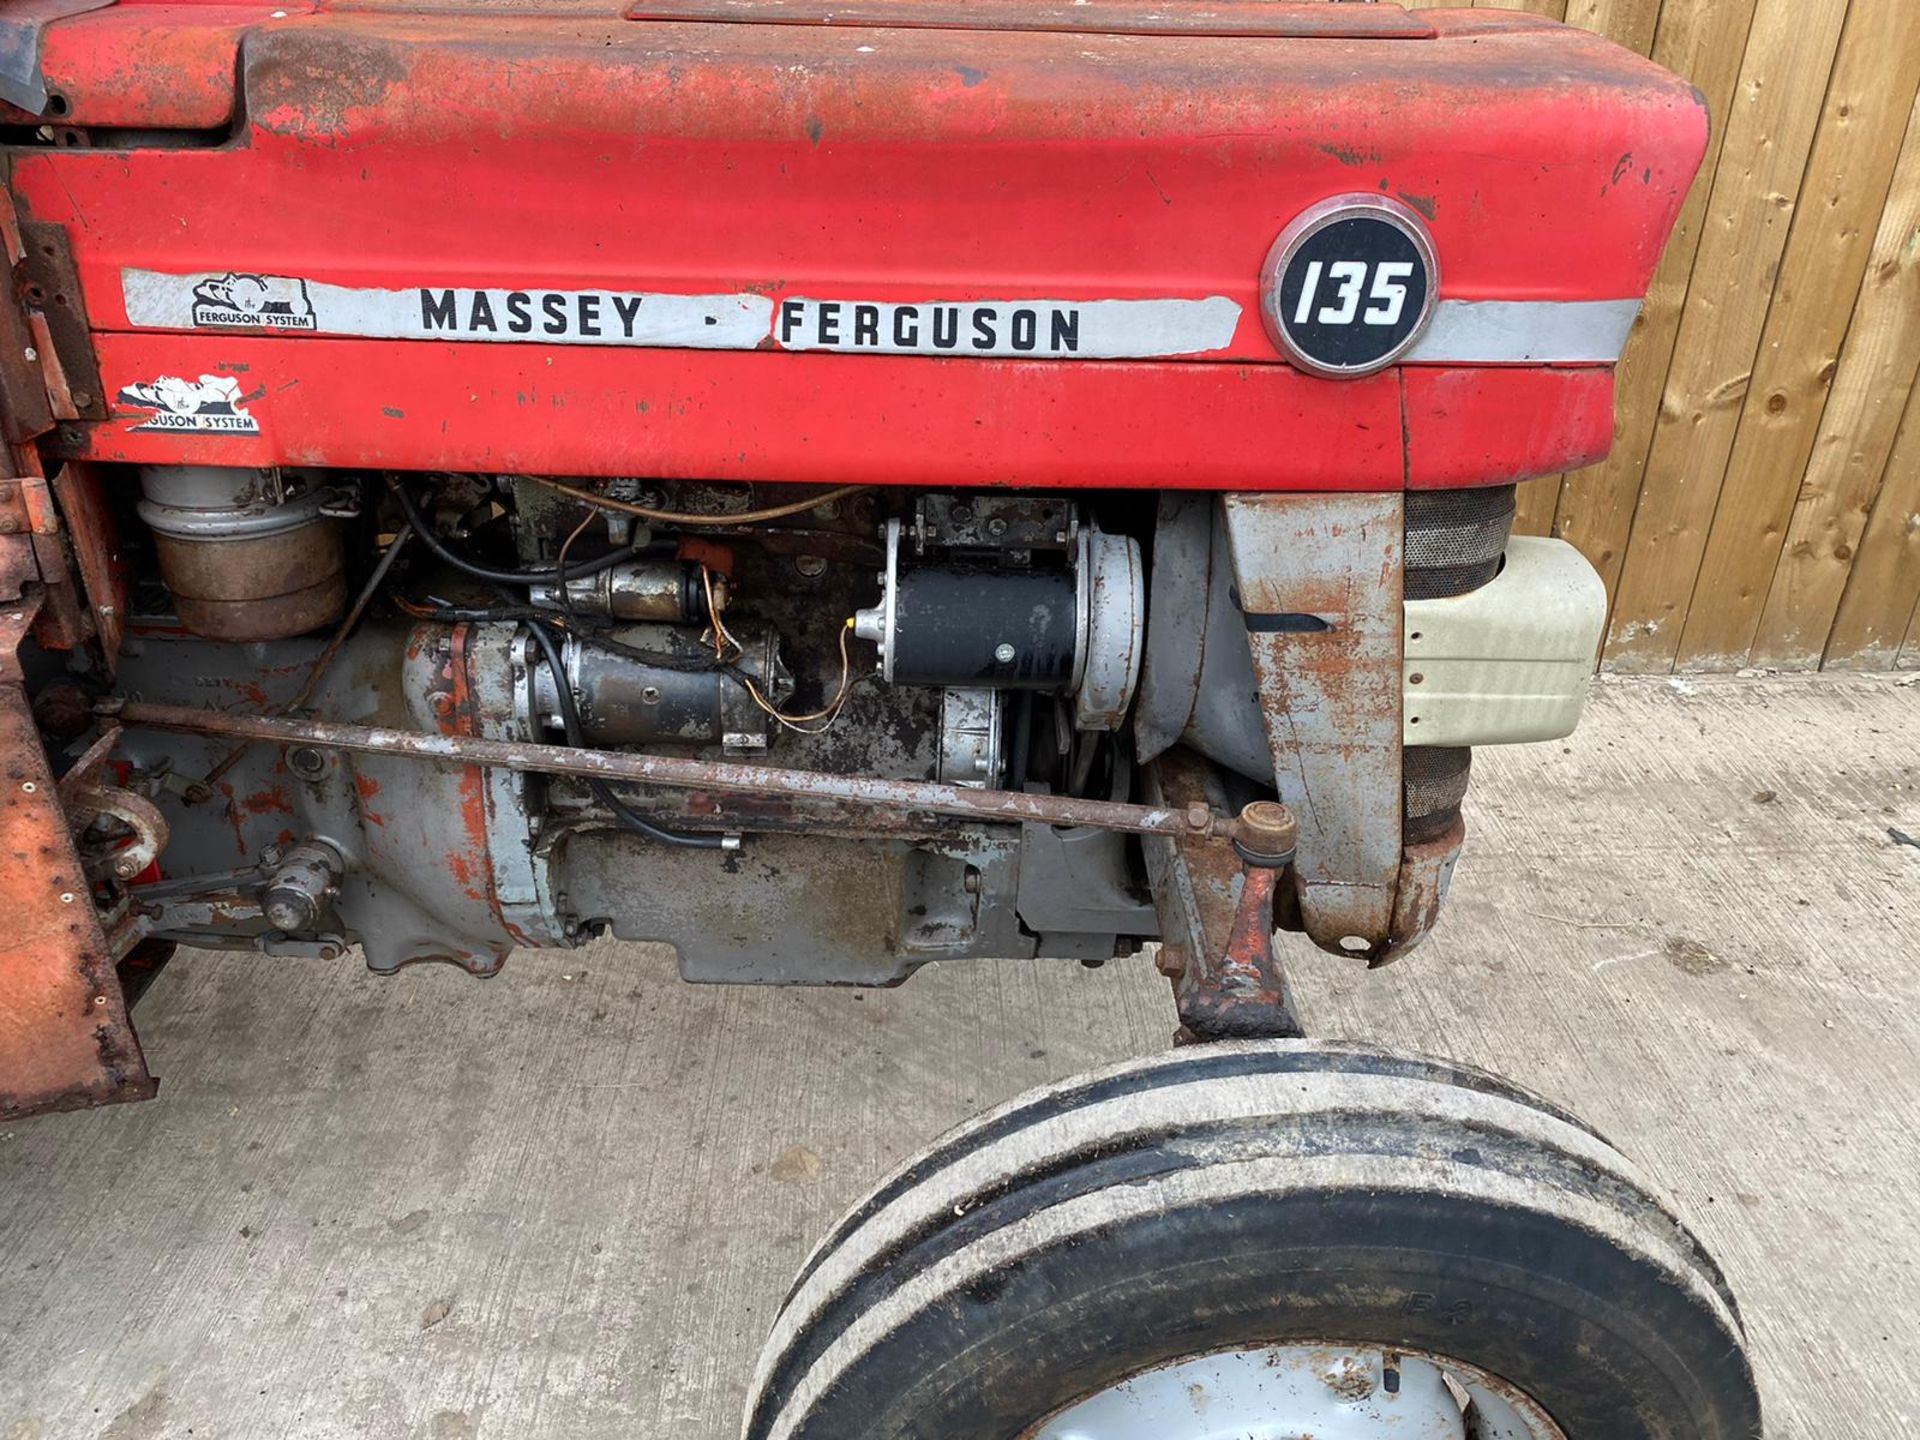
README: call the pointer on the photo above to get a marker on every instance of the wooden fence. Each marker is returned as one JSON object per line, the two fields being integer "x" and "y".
{"x": 1762, "y": 504}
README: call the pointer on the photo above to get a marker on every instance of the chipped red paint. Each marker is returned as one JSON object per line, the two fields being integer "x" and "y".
{"x": 267, "y": 802}
{"x": 795, "y": 162}
{"x": 367, "y": 788}
{"x": 236, "y": 817}
{"x": 1133, "y": 424}
{"x": 471, "y": 865}
{"x": 117, "y": 68}
{"x": 1218, "y": 915}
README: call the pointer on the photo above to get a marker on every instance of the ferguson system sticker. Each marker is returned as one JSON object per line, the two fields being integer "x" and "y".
{"x": 1021, "y": 329}
{"x": 252, "y": 302}
{"x": 212, "y": 404}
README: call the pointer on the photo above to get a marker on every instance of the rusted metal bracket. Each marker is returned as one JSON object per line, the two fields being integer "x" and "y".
{"x": 47, "y": 288}
{"x": 86, "y": 799}
{"x": 65, "y": 1040}
{"x": 1216, "y": 908}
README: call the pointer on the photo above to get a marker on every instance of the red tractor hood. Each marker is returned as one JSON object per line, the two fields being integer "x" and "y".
{"x": 734, "y": 241}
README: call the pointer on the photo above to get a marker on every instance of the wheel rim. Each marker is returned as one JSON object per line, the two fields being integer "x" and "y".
{"x": 1306, "y": 1392}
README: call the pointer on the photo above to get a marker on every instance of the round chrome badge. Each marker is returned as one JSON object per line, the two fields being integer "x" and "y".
{"x": 1350, "y": 285}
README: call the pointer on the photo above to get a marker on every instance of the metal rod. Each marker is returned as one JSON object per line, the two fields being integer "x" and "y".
{"x": 1007, "y": 806}
{"x": 319, "y": 667}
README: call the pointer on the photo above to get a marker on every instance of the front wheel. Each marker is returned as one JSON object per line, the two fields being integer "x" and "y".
{"x": 1262, "y": 1240}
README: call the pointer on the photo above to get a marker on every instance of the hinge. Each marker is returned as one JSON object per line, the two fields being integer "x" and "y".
{"x": 48, "y": 371}
{"x": 47, "y": 289}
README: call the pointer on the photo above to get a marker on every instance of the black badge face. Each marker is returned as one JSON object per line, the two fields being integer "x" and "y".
{"x": 1353, "y": 290}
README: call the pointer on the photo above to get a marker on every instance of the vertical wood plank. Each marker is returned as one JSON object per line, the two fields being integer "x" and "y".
{"x": 1552, "y": 9}
{"x": 1770, "y": 130}
{"x": 1630, "y": 23}
{"x": 1705, "y": 41}
{"x": 1843, "y": 194}
{"x": 1625, "y": 22}
{"x": 1862, "y": 421}
{"x": 1883, "y": 588}
{"x": 1536, "y": 502}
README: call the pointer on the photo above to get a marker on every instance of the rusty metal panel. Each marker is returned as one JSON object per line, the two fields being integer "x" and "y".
{"x": 96, "y": 551}
{"x": 65, "y": 1041}
{"x": 1320, "y": 582}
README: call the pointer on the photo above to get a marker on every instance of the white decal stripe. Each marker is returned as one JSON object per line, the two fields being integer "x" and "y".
{"x": 433, "y": 312}
{"x": 1514, "y": 332}
{"x": 1484, "y": 332}
{"x": 1015, "y": 329}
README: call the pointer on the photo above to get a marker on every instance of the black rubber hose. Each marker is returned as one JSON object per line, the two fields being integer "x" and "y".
{"x": 551, "y": 576}
{"x": 575, "y": 731}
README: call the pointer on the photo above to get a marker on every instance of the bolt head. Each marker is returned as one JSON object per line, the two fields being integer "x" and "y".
{"x": 1267, "y": 827}
{"x": 1004, "y": 653}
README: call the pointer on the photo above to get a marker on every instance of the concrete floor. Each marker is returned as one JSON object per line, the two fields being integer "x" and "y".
{"x": 566, "y": 1202}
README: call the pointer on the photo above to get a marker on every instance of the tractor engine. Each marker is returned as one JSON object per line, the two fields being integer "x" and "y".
{"x": 974, "y": 640}
{"x": 1054, "y": 645}
{"x": 826, "y": 488}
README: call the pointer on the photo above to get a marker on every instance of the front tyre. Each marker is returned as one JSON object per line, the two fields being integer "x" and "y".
{"x": 1261, "y": 1240}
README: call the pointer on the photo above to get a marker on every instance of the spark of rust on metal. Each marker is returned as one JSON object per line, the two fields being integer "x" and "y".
{"x": 1003, "y": 806}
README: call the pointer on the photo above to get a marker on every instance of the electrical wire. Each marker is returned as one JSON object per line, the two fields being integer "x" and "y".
{"x": 575, "y": 733}
{"x": 562, "y": 573}
{"x": 684, "y": 517}
{"x": 560, "y": 562}
{"x": 830, "y": 713}
{"x": 551, "y": 576}
{"x": 723, "y": 637}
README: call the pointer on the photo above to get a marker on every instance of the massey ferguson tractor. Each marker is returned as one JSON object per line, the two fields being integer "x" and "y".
{"x": 833, "y": 487}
